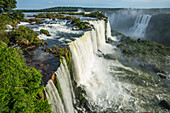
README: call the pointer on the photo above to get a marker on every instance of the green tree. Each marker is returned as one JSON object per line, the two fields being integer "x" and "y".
{"x": 20, "y": 87}
{"x": 17, "y": 15}
{"x": 7, "y": 5}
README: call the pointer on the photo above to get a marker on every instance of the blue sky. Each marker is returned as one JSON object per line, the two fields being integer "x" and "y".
{"x": 38, "y": 4}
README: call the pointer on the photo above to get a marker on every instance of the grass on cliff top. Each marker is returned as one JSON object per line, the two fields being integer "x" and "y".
{"x": 148, "y": 54}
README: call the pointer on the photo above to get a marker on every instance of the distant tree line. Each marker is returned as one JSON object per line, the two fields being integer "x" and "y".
{"x": 70, "y": 9}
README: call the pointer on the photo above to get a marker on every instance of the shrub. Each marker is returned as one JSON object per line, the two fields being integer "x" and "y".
{"x": 17, "y": 15}
{"x": 147, "y": 52}
{"x": 75, "y": 20}
{"x": 23, "y": 36}
{"x": 19, "y": 84}
{"x": 39, "y": 21}
{"x": 4, "y": 19}
{"x": 46, "y": 32}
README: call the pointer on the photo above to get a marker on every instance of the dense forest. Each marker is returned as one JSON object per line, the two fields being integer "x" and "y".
{"x": 20, "y": 85}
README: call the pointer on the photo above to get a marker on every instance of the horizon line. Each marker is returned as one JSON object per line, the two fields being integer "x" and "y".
{"x": 97, "y": 7}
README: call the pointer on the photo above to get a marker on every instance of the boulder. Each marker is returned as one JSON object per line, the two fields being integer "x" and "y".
{"x": 162, "y": 76}
{"x": 110, "y": 56}
{"x": 165, "y": 104}
{"x": 37, "y": 38}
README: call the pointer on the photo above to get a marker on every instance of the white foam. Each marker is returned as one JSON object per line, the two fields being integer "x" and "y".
{"x": 140, "y": 25}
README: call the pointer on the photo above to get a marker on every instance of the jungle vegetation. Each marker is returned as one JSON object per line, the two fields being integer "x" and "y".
{"x": 147, "y": 54}
{"x": 20, "y": 85}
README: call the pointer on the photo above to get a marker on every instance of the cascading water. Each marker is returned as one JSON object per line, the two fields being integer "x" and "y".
{"x": 131, "y": 23}
{"x": 90, "y": 70}
{"x": 61, "y": 98}
{"x": 109, "y": 85}
{"x": 54, "y": 98}
{"x": 139, "y": 27}
{"x": 84, "y": 48}
{"x": 121, "y": 20}
{"x": 109, "y": 34}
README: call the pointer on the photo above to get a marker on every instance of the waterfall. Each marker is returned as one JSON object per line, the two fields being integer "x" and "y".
{"x": 115, "y": 20}
{"x": 61, "y": 103}
{"x": 139, "y": 27}
{"x": 108, "y": 32}
{"x": 93, "y": 72}
{"x": 83, "y": 50}
{"x": 53, "y": 98}
{"x": 109, "y": 85}
{"x": 129, "y": 22}
{"x": 60, "y": 92}
{"x": 121, "y": 20}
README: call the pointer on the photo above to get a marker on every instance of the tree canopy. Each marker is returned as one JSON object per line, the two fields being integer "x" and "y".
{"x": 7, "y": 5}
{"x": 20, "y": 85}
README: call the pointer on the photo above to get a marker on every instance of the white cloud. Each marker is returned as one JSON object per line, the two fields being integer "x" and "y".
{"x": 50, "y": 2}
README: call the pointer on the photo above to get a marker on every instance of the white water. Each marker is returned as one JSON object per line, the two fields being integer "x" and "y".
{"x": 121, "y": 20}
{"x": 108, "y": 32}
{"x": 140, "y": 25}
{"x": 53, "y": 98}
{"x": 102, "y": 88}
{"x": 84, "y": 49}
{"x": 131, "y": 23}
{"x": 109, "y": 85}
{"x": 100, "y": 78}
{"x": 60, "y": 104}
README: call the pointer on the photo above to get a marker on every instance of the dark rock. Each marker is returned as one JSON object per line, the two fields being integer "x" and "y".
{"x": 165, "y": 104}
{"x": 139, "y": 40}
{"x": 100, "y": 54}
{"x": 41, "y": 65}
{"x": 33, "y": 66}
{"x": 32, "y": 23}
{"x": 46, "y": 68}
{"x": 30, "y": 61}
{"x": 110, "y": 56}
{"x": 142, "y": 65}
{"x": 45, "y": 43}
{"x": 110, "y": 41}
{"x": 156, "y": 68}
{"x": 44, "y": 48}
{"x": 162, "y": 76}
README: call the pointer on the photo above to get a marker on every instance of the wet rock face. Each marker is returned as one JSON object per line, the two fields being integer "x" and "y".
{"x": 110, "y": 56}
{"x": 165, "y": 104}
{"x": 162, "y": 76}
{"x": 47, "y": 67}
{"x": 158, "y": 29}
